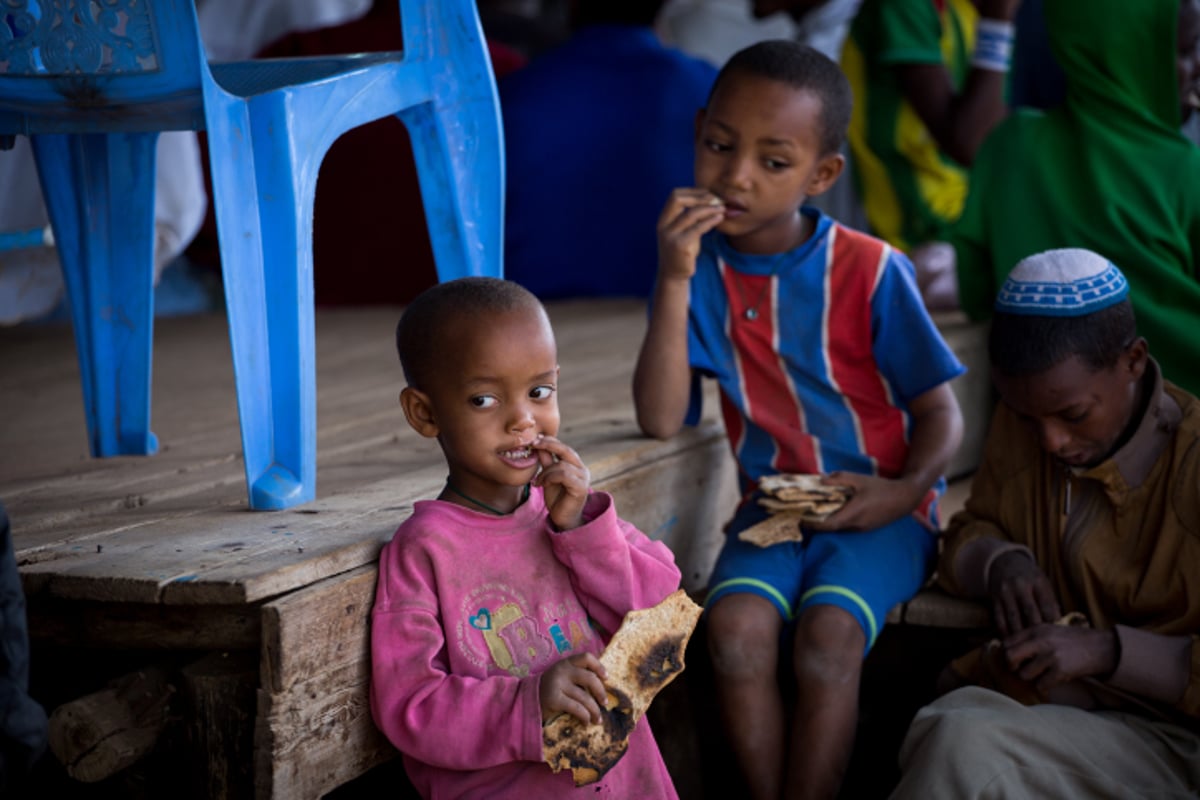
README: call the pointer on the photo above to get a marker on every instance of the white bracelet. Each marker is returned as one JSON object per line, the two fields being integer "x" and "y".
{"x": 993, "y": 45}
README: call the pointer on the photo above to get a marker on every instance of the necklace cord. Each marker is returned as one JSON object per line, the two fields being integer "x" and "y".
{"x": 483, "y": 505}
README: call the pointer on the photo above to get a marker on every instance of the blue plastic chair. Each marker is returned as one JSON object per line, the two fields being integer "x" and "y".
{"x": 93, "y": 83}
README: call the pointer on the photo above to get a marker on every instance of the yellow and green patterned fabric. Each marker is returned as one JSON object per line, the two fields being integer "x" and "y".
{"x": 910, "y": 191}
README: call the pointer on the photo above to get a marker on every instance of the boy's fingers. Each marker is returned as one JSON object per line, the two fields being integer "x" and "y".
{"x": 1047, "y": 601}
{"x": 849, "y": 480}
{"x": 683, "y": 199}
{"x": 1030, "y": 609}
{"x": 695, "y": 195}
{"x": 705, "y": 220}
{"x": 692, "y": 220}
{"x": 998, "y": 614}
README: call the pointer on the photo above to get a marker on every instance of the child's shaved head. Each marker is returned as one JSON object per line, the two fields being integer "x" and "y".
{"x": 804, "y": 68}
{"x": 454, "y": 304}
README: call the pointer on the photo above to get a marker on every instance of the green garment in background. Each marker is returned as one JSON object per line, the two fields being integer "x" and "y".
{"x": 1108, "y": 171}
{"x": 911, "y": 192}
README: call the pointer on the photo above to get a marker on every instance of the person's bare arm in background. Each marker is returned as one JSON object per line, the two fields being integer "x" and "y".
{"x": 959, "y": 122}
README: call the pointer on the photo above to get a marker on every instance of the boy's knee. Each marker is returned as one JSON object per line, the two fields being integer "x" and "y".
{"x": 829, "y": 644}
{"x": 743, "y": 636}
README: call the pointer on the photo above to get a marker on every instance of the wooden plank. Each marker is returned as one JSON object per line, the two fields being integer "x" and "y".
{"x": 683, "y": 499}
{"x": 935, "y": 609}
{"x": 138, "y": 626}
{"x": 230, "y": 556}
{"x": 317, "y": 735}
{"x": 220, "y": 690}
{"x": 317, "y": 629}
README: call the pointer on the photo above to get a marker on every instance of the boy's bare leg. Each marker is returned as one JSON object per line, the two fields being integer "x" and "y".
{"x": 828, "y": 664}
{"x": 743, "y": 640}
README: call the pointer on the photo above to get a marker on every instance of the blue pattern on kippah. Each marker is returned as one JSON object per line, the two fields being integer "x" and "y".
{"x": 1074, "y": 299}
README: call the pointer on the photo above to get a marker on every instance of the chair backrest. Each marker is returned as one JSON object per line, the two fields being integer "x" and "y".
{"x": 106, "y": 65}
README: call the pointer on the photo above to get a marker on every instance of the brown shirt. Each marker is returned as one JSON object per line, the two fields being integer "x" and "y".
{"x": 1120, "y": 541}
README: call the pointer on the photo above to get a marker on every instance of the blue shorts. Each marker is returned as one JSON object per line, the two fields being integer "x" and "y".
{"x": 866, "y": 573}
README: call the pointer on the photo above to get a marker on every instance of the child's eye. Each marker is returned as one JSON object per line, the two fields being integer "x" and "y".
{"x": 715, "y": 146}
{"x": 1074, "y": 417}
{"x": 483, "y": 401}
{"x": 775, "y": 165}
{"x": 541, "y": 392}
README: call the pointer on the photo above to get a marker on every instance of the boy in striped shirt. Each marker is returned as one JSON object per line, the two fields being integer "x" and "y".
{"x": 827, "y": 364}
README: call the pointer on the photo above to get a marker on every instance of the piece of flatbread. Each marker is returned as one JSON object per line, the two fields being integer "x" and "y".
{"x": 812, "y": 509}
{"x": 774, "y": 529}
{"x": 794, "y": 487}
{"x": 644, "y": 655}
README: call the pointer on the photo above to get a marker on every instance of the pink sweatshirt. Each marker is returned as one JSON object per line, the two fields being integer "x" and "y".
{"x": 470, "y": 609}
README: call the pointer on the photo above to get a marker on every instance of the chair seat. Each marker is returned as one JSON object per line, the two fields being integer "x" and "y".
{"x": 250, "y": 78}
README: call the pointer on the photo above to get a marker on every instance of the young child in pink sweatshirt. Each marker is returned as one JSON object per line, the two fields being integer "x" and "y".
{"x": 495, "y": 599}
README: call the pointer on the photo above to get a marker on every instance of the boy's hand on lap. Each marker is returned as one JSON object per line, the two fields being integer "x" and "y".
{"x": 1022, "y": 595}
{"x": 565, "y": 481}
{"x": 573, "y": 686}
{"x": 874, "y": 502}
{"x": 688, "y": 215}
{"x": 1049, "y": 655}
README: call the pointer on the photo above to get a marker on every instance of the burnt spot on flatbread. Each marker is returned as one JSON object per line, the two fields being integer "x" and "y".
{"x": 662, "y": 662}
{"x": 618, "y": 720}
{"x": 584, "y": 750}
{"x": 643, "y": 656}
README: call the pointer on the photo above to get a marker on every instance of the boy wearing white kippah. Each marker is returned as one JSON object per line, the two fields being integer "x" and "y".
{"x": 1086, "y": 513}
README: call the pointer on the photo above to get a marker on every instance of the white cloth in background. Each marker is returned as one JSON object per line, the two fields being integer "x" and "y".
{"x": 716, "y": 29}
{"x": 827, "y": 25}
{"x": 31, "y": 282}
{"x": 237, "y": 29}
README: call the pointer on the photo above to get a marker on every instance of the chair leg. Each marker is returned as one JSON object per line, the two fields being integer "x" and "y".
{"x": 99, "y": 192}
{"x": 458, "y": 147}
{"x": 264, "y": 222}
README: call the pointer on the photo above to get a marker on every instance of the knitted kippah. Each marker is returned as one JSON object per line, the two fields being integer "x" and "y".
{"x": 1062, "y": 283}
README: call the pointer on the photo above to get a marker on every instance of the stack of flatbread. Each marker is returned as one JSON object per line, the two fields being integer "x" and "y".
{"x": 791, "y": 500}
{"x": 644, "y": 655}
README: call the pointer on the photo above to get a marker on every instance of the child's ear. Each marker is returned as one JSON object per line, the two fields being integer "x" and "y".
{"x": 827, "y": 172}
{"x": 418, "y": 411}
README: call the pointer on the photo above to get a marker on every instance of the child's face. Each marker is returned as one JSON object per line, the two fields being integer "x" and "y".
{"x": 758, "y": 149}
{"x": 493, "y": 394}
{"x": 1078, "y": 414}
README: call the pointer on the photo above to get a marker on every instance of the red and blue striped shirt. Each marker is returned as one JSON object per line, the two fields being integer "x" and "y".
{"x": 820, "y": 379}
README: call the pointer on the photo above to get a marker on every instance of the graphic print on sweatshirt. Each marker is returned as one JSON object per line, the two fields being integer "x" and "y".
{"x": 496, "y": 629}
